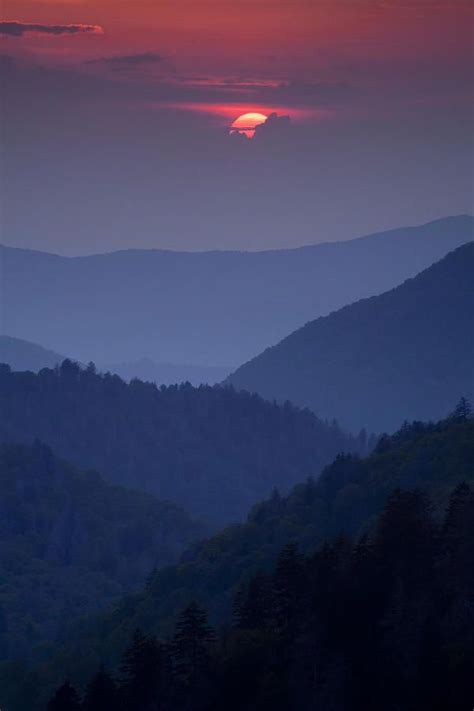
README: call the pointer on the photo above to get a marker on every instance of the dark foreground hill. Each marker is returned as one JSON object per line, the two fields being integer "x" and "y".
{"x": 384, "y": 622}
{"x": 389, "y": 584}
{"x": 71, "y": 544}
{"x": 401, "y": 354}
{"x": 23, "y": 355}
{"x": 211, "y": 450}
{"x": 205, "y": 308}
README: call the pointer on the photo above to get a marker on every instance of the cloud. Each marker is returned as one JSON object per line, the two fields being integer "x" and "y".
{"x": 275, "y": 127}
{"x": 130, "y": 60}
{"x": 18, "y": 29}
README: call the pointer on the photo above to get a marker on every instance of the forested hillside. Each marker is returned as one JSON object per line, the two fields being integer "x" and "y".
{"x": 71, "y": 544}
{"x": 399, "y": 355}
{"x": 383, "y": 622}
{"x": 351, "y": 493}
{"x": 212, "y": 450}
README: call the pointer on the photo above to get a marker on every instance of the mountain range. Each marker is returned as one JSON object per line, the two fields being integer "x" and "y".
{"x": 402, "y": 354}
{"x": 203, "y": 308}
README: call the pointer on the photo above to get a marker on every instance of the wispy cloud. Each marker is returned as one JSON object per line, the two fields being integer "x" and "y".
{"x": 14, "y": 28}
{"x": 129, "y": 60}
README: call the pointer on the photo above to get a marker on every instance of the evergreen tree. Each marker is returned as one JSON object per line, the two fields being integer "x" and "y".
{"x": 142, "y": 674}
{"x": 288, "y": 581}
{"x": 405, "y": 540}
{"x": 191, "y": 645}
{"x": 457, "y": 556}
{"x": 462, "y": 411}
{"x": 66, "y": 698}
{"x": 4, "y": 642}
{"x": 101, "y": 693}
{"x": 252, "y": 603}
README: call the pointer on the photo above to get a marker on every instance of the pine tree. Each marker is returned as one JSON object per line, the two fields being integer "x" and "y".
{"x": 101, "y": 693}
{"x": 287, "y": 585}
{"x": 142, "y": 673}
{"x": 66, "y": 698}
{"x": 252, "y": 603}
{"x": 4, "y": 643}
{"x": 405, "y": 540}
{"x": 457, "y": 541}
{"x": 462, "y": 411}
{"x": 191, "y": 645}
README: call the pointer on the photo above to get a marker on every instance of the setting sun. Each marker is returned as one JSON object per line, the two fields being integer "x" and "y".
{"x": 247, "y": 123}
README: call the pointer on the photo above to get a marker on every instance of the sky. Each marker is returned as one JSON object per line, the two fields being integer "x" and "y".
{"x": 116, "y": 119}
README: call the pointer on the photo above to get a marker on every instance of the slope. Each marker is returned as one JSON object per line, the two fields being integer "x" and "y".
{"x": 403, "y": 354}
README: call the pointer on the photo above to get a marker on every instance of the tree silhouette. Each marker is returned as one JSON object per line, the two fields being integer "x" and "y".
{"x": 288, "y": 581}
{"x": 66, "y": 698}
{"x": 101, "y": 692}
{"x": 462, "y": 411}
{"x": 142, "y": 673}
{"x": 191, "y": 645}
{"x": 252, "y": 603}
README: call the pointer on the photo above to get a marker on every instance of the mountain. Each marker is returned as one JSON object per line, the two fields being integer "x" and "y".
{"x": 71, "y": 544}
{"x": 204, "y": 308}
{"x": 23, "y": 355}
{"x": 404, "y": 353}
{"x": 347, "y": 499}
{"x": 169, "y": 373}
{"x": 211, "y": 450}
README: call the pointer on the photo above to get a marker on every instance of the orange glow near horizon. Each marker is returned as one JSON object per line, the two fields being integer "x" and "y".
{"x": 225, "y": 114}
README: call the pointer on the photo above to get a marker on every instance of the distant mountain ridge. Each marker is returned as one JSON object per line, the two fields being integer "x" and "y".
{"x": 204, "y": 307}
{"x": 24, "y": 355}
{"x": 401, "y": 354}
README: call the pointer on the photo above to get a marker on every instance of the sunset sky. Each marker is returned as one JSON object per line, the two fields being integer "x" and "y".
{"x": 135, "y": 98}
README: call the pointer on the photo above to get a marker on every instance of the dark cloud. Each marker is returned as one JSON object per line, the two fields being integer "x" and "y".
{"x": 130, "y": 60}
{"x": 275, "y": 128}
{"x": 18, "y": 29}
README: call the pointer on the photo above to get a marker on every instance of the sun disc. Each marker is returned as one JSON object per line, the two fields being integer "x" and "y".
{"x": 247, "y": 123}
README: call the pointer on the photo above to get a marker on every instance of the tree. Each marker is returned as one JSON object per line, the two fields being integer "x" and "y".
{"x": 252, "y": 603}
{"x": 142, "y": 673}
{"x": 4, "y": 644}
{"x": 191, "y": 645}
{"x": 462, "y": 411}
{"x": 458, "y": 541}
{"x": 66, "y": 698}
{"x": 287, "y": 584}
{"x": 405, "y": 540}
{"x": 101, "y": 692}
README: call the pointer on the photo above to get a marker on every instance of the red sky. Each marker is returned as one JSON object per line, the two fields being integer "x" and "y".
{"x": 118, "y": 136}
{"x": 414, "y": 50}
